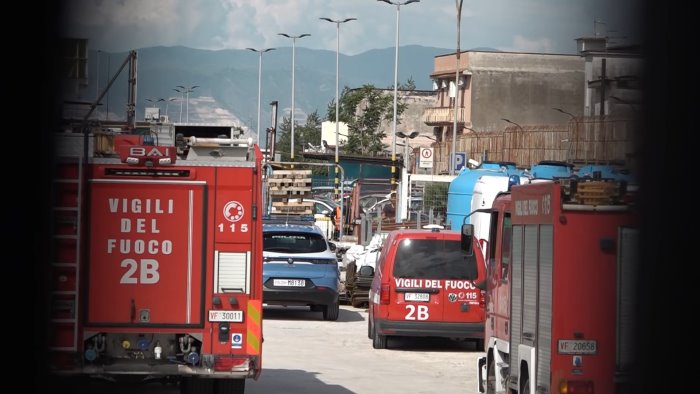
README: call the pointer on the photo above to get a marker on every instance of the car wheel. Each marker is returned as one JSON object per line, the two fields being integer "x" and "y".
{"x": 378, "y": 340}
{"x": 357, "y": 302}
{"x": 331, "y": 312}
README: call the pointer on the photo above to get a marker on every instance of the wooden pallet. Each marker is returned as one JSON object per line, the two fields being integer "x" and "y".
{"x": 290, "y": 189}
{"x": 290, "y": 174}
{"x": 293, "y": 207}
{"x": 597, "y": 193}
{"x": 288, "y": 182}
{"x": 292, "y": 204}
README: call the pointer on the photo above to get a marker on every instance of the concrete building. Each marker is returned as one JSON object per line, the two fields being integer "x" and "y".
{"x": 521, "y": 87}
{"x": 612, "y": 76}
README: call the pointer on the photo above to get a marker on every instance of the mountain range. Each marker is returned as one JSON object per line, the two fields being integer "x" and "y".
{"x": 227, "y": 80}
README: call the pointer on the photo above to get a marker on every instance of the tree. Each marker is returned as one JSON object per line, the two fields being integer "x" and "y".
{"x": 308, "y": 133}
{"x": 364, "y": 110}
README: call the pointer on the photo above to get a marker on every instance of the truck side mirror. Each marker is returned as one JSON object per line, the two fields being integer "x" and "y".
{"x": 467, "y": 241}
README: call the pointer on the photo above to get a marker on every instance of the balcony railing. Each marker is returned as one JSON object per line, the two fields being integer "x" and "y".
{"x": 442, "y": 116}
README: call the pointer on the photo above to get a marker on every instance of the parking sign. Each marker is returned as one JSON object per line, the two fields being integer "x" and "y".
{"x": 461, "y": 160}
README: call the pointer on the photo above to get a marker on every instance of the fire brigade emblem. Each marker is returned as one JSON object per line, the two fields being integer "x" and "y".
{"x": 452, "y": 297}
{"x": 233, "y": 211}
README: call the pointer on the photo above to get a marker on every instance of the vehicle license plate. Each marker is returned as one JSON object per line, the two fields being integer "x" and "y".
{"x": 289, "y": 282}
{"x": 226, "y": 316}
{"x": 425, "y": 297}
{"x": 577, "y": 346}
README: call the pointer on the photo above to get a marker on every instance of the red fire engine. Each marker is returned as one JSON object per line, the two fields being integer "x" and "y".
{"x": 157, "y": 265}
{"x": 559, "y": 289}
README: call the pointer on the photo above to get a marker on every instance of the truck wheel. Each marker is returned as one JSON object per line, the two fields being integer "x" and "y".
{"x": 369, "y": 328}
{"x": 196, "y": 386}
{"x": 331, "y": 312}
{"x": 357, "y": 302}
{"x": 230, "y": 386}
{"x": 491, "y": 378}
{"x": 378, "y": 340}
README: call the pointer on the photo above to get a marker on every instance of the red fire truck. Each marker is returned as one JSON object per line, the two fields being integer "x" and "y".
{"x": 157, "y": 261}
{"x": 559, "y": 289}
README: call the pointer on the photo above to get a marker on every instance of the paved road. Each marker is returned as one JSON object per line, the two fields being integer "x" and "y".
{"x": 304, "y": 354}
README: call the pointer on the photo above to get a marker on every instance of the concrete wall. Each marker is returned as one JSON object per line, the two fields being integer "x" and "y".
{"x": 524, "y": 88}
{"x": 617, "y": 68}
{"x": 411, "y": 119}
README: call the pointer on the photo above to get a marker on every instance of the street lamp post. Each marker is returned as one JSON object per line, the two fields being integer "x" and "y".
{"x": 396, "y": 86}
{"x": 573, "y": 117}
{"x": 453, "y": 156}
{"x": 182, "y": 100}
{"x": 187, "y": 91}
{"x": 260, "y": 53}
{"x": 167, "y": 104}
{"x": 521, "y": 130}
{"x": 403, "y": 207}
{"x": 291, "y": 117}
{"x": 337, "y": 88}
{"x": 155, "y": 102}
{"x": 412, "y": 135}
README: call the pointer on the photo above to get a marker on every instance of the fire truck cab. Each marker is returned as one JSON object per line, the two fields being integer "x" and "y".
{"x": 157, "y": 261}
{"x": 560, "y": 280}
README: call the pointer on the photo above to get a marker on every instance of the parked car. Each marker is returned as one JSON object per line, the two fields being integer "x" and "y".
{"x": 425, "y": 285}
{"x": 300, "y": 268}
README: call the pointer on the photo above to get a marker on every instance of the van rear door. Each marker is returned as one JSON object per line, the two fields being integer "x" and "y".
{"x": 434, "y": 281}
{"x": 460, "y": 297}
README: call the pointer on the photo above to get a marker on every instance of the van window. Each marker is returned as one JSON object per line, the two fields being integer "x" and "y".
{"x": 434, "y": 259}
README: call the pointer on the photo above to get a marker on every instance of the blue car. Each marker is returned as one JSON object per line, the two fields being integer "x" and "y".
{"x": 300, "y": 268}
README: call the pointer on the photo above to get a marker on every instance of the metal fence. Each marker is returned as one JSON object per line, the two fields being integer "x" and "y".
{"x": 582, "y": 140}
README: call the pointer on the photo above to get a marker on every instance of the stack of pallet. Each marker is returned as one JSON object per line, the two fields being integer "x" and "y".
{"x": 597, "y": 193}
{"x": 288, "y": 189}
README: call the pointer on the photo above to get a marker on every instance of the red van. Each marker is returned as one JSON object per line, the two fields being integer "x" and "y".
{"x": 425, "y": 285}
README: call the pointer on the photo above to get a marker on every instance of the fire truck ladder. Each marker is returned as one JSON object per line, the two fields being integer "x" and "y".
{"x": 66, "y": 256}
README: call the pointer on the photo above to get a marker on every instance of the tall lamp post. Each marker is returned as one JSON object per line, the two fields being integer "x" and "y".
{"x": 521, "y": 130}
{"x": 403, "y": 207}
{"x": 453, "y": 155}
{"x": 396, "y": 86}
{"x": 573, "y": 117}
{"x": 412, "y": 135}
{"x": 155, "y": 102}
{"x": 260, "y": 53}
{"x": 187, "y": 91}
{"x": 291, "y": 117}
{"x": 182, "y": 100}
{"x": 167, "y": 105}
{"x": 337, "y": 88}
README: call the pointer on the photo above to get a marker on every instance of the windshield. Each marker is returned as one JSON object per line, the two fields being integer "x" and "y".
{"x": 434, "y": 259}
{"x": 294, "y": 242}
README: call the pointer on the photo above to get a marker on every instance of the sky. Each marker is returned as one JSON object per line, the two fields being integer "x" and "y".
{"x": 540, "y": 26}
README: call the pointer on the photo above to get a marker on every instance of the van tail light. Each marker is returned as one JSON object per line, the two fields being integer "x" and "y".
{"x": 384, "y": 294}
{"x": 482, "y": 299}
